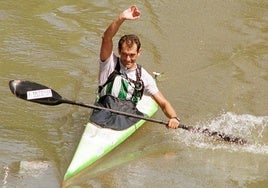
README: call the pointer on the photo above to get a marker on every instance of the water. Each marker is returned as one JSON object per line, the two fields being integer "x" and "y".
{"x": 212, "y": 57}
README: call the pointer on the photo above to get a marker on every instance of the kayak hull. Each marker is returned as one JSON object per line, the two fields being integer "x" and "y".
{"x": 96, "y": 141}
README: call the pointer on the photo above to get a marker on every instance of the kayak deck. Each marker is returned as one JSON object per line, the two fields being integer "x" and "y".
{"x": 97, "y": 141}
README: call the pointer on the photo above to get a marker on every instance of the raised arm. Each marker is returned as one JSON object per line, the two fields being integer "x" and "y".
{"x": 131, "y": 13}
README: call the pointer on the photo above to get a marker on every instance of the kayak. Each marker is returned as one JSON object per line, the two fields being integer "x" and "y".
{"x": 96, "y": 141}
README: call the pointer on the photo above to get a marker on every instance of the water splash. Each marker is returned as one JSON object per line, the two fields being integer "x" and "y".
{"x": 249, "y": 127}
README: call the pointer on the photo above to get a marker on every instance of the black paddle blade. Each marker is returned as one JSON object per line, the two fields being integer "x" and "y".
{"x": 34, "y": 92}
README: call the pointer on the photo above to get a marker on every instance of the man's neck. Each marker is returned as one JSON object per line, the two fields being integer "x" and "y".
{"x": 128, "y": 69}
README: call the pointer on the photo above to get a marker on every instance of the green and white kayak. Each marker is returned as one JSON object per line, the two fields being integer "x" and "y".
{"x": 96, "y": 141}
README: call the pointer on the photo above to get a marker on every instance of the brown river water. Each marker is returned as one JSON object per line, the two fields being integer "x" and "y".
{"x": 213, "y": 60}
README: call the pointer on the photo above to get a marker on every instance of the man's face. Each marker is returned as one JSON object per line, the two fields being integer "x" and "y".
{"x": 129, "y": 55}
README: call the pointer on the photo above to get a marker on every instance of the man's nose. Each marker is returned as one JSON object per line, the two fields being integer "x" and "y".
{"x": 128, "y": 58}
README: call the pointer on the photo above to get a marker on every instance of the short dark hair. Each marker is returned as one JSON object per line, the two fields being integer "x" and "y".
{"x": 130, "y": 40}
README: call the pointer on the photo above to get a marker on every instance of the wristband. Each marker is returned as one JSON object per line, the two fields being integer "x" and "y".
{"x": 178, "y": 119}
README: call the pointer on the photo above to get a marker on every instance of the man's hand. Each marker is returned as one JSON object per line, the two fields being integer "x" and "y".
{"x": 131, "y": 13}
{"x": 173, "y": 123}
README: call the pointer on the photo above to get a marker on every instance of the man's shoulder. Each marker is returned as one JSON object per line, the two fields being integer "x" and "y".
{"x": 109, "y": 63}
{"x": 112, "y": 58}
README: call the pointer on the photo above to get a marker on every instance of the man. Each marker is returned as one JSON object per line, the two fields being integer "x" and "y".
{"x": 117, "y": 72}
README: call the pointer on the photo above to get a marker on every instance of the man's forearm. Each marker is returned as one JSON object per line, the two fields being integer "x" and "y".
{"x": 113, "y": 28}
{"x": 107, "y": 38}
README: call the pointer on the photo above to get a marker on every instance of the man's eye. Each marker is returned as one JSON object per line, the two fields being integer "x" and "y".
{"x": 130, "y": 55}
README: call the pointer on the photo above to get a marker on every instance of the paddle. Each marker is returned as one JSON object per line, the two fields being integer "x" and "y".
{"x": 41, "y": 94}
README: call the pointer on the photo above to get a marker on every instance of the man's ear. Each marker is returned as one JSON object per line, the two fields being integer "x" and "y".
{"x": 139, "y": 52}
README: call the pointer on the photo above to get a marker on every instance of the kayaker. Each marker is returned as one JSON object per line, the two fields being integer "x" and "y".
{"x": 122, "y": 81}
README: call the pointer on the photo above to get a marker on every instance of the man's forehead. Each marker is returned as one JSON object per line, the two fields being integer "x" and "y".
{"x": 126, "y": 47}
